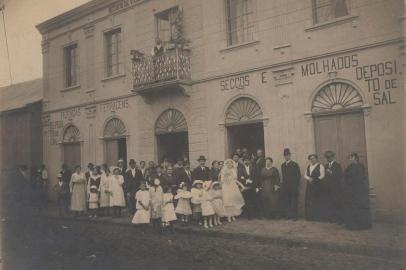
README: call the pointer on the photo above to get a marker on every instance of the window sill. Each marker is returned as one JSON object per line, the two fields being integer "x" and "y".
{"x": 70, "y": 88}
{"x": 113, "y": 77}
{"x": 333, "y": 22}
{"x": 241, "y": 45}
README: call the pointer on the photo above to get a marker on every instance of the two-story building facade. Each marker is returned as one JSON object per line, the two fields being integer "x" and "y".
{"x": 310, "y": 75}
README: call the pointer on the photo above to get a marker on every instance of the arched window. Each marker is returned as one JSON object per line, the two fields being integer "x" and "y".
{"x": 243, "y": 110}
{"x": 71, "y": 134}
{"x": 114, "y": 128}
{"x": 170, "y": 121}
{"x": 336, "y": 96}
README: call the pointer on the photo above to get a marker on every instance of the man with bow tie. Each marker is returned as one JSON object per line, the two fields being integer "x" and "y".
{"x": 202, "y": 172}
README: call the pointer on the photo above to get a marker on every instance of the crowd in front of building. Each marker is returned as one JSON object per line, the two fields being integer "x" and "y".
{"x": 245, "y": 185}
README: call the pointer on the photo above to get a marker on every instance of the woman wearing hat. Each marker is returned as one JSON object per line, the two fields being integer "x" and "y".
{"x": 315, "y": 193}
{"x": 233, "y": 200}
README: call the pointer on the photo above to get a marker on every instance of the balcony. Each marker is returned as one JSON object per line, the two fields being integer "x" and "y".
{"x": 167, "y": 72}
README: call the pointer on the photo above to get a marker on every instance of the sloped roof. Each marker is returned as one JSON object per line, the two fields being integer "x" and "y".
{"x": 19, "y": 95}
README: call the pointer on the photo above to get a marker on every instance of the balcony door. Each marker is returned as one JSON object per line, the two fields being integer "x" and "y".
{"x": 172, "y": 136}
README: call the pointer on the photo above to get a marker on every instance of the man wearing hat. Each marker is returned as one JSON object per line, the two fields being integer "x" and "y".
{"x": 334, "y": 175}
{"x": 132, "y": 181}
{"x": 202, "y": 172}
{"x": 290, "y": 185}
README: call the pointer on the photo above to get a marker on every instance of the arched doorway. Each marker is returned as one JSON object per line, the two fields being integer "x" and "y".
{"x": 339, "y": 122}
{"x": 172, "y": 136}
{"x": 71, "y": 146}
{"x": 115, "y": 141}
{"x": 244, "y": 122}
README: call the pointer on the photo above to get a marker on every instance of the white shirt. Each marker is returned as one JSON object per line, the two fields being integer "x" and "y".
{"x": 133, "y": 172}
{"x": 312, "y": 167}
{"x": 247, "y": 169}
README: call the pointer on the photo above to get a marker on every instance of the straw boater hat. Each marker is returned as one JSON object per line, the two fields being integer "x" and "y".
{"x": 197, "y": 182}
{"x": 93, "y": 189}
{"x": 215, "y": 183}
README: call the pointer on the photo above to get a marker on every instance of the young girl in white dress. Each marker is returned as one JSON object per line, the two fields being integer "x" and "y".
{"x": 197, "y": 196}
{"x": 142, "y": 216}
{"x": 207, "y": 206}
{"x": 183, "y": 207}
{"x": 218, "y": 206}
{"x": 156, "y": 194}
{"x": 168, "y": 209}
{"x": 117, "y": 200}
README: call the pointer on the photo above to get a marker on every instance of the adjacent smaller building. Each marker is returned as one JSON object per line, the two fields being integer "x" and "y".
{"x": 20, "y": 125}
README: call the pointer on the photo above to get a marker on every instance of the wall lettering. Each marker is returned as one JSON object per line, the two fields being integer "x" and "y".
{"x": 330, "y": 64}
{"x": 71, "y": 113}
{"x": 239, "y": 82}
{"x": 114, "y": 105}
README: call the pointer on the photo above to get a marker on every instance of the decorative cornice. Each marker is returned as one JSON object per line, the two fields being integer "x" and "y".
{"x": 45, "y": 44}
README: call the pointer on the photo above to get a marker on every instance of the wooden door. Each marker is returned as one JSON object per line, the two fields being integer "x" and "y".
{"x": 343, "y": 134}
{"x": 111, "y": 153}
{"x": 71, "y": 154}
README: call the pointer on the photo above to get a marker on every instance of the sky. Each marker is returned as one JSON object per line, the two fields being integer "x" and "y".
{"x": 24, "y": 40}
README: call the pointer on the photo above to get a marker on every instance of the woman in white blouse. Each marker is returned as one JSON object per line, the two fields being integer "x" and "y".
{"x": 117, "y": 200}
{"x": 315, "y": 203}
{"x": 78, "y": 191}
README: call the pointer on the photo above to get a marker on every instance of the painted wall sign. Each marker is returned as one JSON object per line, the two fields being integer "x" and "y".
{"x": 113, "y": 106}
{"x": 238, "y": 82}
{"x": 380, "y": 81}
{"x": 329, "y": 64}
{"x": 71, "y": 113}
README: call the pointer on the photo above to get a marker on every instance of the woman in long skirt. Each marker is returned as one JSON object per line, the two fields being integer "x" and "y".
{"x": 78, "y": 191}
{"x": 104, "y": 191}
{"x": 356, "y": 197}
{"x": 117, "y": 200}
{"x": 270, "y": 186}
{"x": 233, "y": 200}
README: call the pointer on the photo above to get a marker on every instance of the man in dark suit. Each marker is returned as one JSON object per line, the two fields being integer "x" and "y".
{"x": 184, "y": 175}
{"x": 132, "y": 181}
{"x": 245, "y": 174}
{"x": 159, "y": 175}
{"x": 143, "y": 169}
{"x": 202, "y": 172}
{"x": 66, "y": 174}
{"x": 334, "y": 175}
{"x": 90, "y": 168}
{"x": 290, "y": 185}
{"x": 121, "y": 167}
{"x": 259, "y": 163}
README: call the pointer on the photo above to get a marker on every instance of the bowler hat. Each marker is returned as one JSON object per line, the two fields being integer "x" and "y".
{"x": 201, "y": 158}
{"x": 329, "y": 154}
{"x": 286, "y": 152}
{"x": 132, "y": 161}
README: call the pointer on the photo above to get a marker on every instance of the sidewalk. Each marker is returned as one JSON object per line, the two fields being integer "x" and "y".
{"x": 383, "y": 240}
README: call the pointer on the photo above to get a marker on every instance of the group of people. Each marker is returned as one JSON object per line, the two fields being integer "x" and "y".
{"x": 244, "y": 184}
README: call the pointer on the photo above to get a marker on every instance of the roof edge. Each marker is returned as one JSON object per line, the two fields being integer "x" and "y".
{"x": 72, "y": 15}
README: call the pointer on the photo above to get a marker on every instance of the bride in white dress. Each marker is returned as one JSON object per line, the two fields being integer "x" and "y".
{"x": 232, "y": 198}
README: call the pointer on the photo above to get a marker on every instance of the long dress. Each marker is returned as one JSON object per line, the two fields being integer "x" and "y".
{"x": 156, "y": 194}
{"x": 116, "y": 191}
{"x": 142, "y": 216}
{"x": 207, "y": 206}
{"x": 217, "y": 202}
{"x": 78, "y": 192}
{"x": 233, "y": 200}
{"x": 270, "y": 181}
{"x": 104, "y": 190}
{"x": 183, "y": 206}
{"x": 356, "y": 198}
{"x": 168, "y": 210}
{"x": 93, "y": 181}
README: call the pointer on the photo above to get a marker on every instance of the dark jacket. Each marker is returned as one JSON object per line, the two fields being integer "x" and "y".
{"x": 334, "y": 176}
{"x": 290, "y": 175}
{"x": 132, "y": 183}
{"x": 182, "y": 176}
{"x": 243, "y": 176}
{"x": 201, "y": 173}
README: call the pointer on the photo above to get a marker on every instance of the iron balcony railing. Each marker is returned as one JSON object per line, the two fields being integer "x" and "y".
{"x": 171, "y": 65}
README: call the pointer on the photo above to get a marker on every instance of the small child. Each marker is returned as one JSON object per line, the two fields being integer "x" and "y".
{"x": 156, "y": 194}
{"x": 217, "y": 196}
{"x": 197, "y": 196}
{"x": 62, "y": 190}
{"x": 207, "y": 207}
{"x": 183, "y": 207}
{"x": 143, "y": 214}
{"x": 168, "y": 210}
{"x": 93, "y": 201}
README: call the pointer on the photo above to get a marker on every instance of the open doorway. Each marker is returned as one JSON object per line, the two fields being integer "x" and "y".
{"x": 173, "y": 146}
{"x": 250, "y": 136}
{"x": 116, "y": 149}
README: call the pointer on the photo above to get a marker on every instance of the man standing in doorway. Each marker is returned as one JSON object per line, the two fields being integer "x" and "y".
{"x": 133, "y": 178}
{"x": 121, "y": 167}
{"x": 246, "y": 177}
{"x": 334, "y": 175}
{"x": 202, "y": 172}
{"x": 290, "y": 185}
